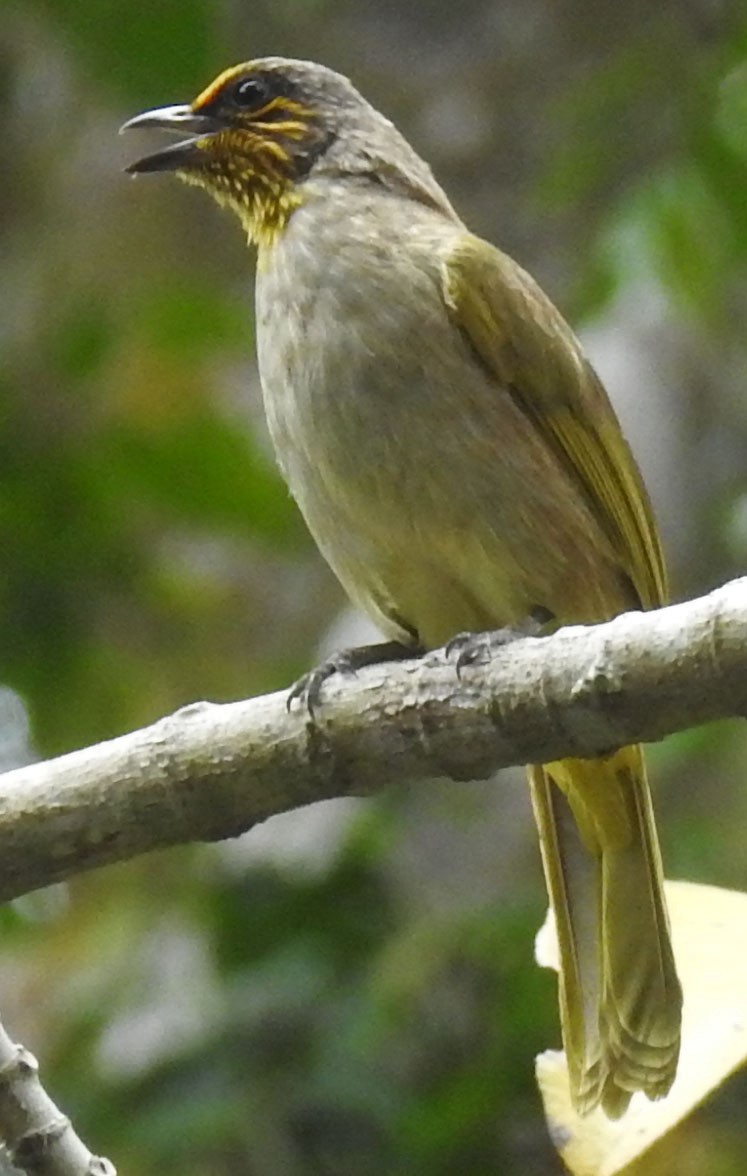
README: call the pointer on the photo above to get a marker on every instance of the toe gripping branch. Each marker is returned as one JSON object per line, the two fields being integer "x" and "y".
{"x": 469, "y": 649}
{"x": 308, "y": 689}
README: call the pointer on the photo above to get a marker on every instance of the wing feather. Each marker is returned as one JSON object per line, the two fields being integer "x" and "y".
{"x": 526, "y": 345}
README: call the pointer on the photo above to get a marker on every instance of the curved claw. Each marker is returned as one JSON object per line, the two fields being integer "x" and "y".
{"x": 473, "y": 648}
{"x": 307, "y": 690}
{"x": 462, "y": 645}
{"x": 477, "y": 648}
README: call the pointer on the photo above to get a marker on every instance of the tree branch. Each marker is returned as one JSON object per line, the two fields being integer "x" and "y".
{"x": 38, "y": 1138}
{"x": 210, "y": 772}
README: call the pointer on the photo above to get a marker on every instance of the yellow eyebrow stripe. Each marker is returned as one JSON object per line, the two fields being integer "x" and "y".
{"x": 211, "y": 92}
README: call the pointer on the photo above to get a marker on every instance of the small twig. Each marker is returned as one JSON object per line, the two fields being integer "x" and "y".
{"x": 39, "y": 1139}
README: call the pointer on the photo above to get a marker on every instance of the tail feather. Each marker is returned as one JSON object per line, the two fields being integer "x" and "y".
{"x": 572, "y": 874}
{"x": 620, "y": 999}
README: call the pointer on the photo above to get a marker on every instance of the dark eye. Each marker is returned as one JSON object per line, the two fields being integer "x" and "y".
{"x": 251, "y": 92}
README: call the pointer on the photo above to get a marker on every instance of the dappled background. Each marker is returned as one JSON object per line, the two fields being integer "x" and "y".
{"x": 350, "y": 989}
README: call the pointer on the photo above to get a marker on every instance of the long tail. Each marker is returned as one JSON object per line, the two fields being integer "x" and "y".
{"x": 620, "y": 999}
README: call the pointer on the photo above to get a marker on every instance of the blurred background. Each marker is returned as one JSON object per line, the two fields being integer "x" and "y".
{"x": 349, "y": 989}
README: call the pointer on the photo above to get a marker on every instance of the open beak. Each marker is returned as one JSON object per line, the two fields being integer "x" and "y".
{"x": 178, "y": 120}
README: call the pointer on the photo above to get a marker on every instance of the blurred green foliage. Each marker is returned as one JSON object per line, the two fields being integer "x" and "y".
{"x": 136, "y": 51}
{"x": 376, "y": 1008}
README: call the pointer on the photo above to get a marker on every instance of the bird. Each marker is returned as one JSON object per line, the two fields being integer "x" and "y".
{"x": 462, "y": 470}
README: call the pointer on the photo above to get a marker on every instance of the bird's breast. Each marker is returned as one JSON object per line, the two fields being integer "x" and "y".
{"x": 352, "y": 337}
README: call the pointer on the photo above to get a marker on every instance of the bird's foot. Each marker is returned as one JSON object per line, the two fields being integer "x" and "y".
{"x": 470, "y": 649}
{"x": 307, "y": 690}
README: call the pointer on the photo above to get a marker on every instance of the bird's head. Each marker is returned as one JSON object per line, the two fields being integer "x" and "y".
{"x": 257, "y": 133}
{"x": 249, "y": 138}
